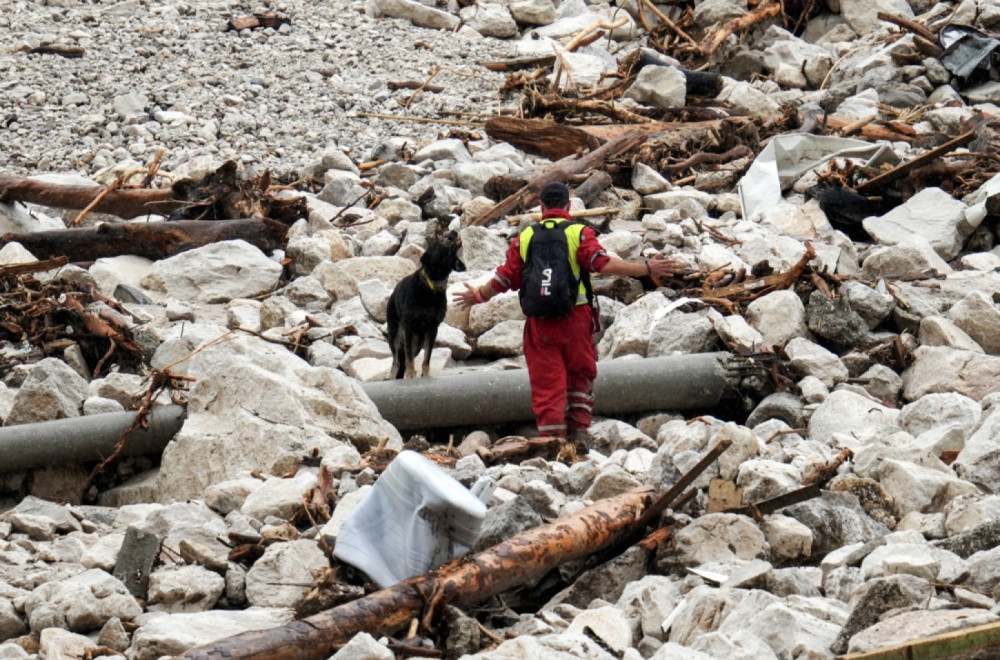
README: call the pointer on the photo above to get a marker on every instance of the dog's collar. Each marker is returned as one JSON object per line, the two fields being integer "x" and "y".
{"x": 433, "y": 285}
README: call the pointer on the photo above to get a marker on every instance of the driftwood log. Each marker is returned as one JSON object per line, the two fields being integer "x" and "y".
{"x": 541, "y": 137}
{"x": 124, "y": 203}
{"x": 562, "y": 170}
{"x": 219, "y": 195}
{"x": 153, "y": 240}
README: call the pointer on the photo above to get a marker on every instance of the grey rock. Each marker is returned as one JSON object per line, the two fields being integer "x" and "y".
{"x": 490, "y": 20}
{"x": 607, "y": 581}
{"x": 284, "y": 574}
{"x": 907, "y": 626}
{"x": 87, "y": 600}
{"x": 877, "y": 597}
{"x": 873, "y": 305}
{"x": 173, "y": 634}
{"x": 136, "y": 559}
{"x": 835, "y": 320}
{"x": 845, "y": 412}
{"x": 779, "y": 316}
{"x": 715, "y": 538}
{"x": 979, "y": 317}
{"x": 217, "y": 272}
{"x": 659, "y": 87}
{"x": 113, "y": 635}
{"x": 11, "y": 623}
{"x": 940, "y": 409}
{"x": 184, "y": 589}
{"x": 52, "y": 390}
{"x": 678, "y": 332}
{"x": 813, "y": 360}
{"x": 506, "y": 520}
{"x": 651, "y": 599}
{"x": 942, "y": 369}
{"x": 835, "y": 519}
{"x": 910, "y": 255}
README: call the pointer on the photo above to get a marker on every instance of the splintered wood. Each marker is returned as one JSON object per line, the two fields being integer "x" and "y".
{"x": 38, "y": 319}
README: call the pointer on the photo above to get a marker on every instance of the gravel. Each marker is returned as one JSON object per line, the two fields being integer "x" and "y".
{"x": 268, "y": 98}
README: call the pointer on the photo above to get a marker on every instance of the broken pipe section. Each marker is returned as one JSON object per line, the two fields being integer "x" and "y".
{"x": 85, "y": 439}
{"x": 676, "y": 382}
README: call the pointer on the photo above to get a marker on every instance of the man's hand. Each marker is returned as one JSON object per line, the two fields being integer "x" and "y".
{"x": 661, "y": 267}
{"x": 465, "y": 298}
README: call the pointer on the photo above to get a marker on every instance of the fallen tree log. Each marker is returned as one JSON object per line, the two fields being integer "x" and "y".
{"x": 520, "y": 560}
{"x": 153, "y": 240}
{"x": 553, "y": 103}
{"x": 540, "y": 137}
{"x": 219, "y": 195}
{"x": 13, "y": 270}
{"x": 124, "y": 203}
{"x": 561, "y": 171}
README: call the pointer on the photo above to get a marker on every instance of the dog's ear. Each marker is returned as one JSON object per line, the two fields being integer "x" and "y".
{"x": 459, "y": 266}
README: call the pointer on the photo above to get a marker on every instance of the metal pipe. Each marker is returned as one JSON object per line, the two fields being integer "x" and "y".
{"x": 85, "y": 439}
{"x": 679, "y": 382}
{"x": 676, "y": 382}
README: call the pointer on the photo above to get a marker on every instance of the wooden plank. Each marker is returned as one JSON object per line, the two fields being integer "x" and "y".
{"x": 938, "y": 647}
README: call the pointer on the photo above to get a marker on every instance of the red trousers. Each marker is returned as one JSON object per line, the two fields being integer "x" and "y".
{"x": 562, "y": 366}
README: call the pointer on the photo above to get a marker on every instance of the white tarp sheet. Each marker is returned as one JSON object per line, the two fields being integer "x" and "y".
{"x": 787, "y": 157}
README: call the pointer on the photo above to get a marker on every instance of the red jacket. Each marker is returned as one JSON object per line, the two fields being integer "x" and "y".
{"x": 591, "y": 256}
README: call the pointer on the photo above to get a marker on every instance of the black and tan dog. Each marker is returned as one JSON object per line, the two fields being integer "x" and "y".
{"x": 418, "y": 305}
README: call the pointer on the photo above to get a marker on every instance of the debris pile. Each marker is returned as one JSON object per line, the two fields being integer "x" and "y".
{"x": 830, "y": 180}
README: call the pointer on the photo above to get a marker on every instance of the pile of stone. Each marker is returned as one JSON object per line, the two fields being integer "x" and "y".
{"x": 904, "y": 542}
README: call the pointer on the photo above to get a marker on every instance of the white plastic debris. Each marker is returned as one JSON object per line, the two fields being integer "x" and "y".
{"x": 415, "y": 518}
{"x": 788, "y": 157}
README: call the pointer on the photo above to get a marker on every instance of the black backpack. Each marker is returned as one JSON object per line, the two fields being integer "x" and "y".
{"x": 549, "y": 289}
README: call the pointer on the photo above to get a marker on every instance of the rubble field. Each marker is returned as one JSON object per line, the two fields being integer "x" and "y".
{"x": 205, "y": 206}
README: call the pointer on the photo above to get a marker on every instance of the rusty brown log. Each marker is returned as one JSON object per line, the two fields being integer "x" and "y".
{"x": 466, "y": 580}
{"x": 763, "y": 12}
{"x": 540, "y": 137}
{"x": 127, "y": 203}
{"x": 922, "y": 159}
{"x": 413, "y": 84}
{"x": 153, "y": 240}
{"x": 73, "y": 52}
{"x": 515, "y": 449}
{"x": 560, "y": 171}
{"x": 520, "y": 64}
{"x": 11, "y": 270}
{"x": 873, "y": 131}
{"x": 273, "y": 21}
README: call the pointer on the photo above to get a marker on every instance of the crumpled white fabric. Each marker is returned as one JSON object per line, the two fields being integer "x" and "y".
{"x": 787, "y": 157}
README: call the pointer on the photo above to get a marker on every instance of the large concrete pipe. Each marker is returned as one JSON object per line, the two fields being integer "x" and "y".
{"x": 680, "y": 382}
{"x": 85, "y": 439}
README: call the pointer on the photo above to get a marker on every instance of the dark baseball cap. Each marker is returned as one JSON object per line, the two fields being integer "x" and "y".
{"x": 554, "y": 194}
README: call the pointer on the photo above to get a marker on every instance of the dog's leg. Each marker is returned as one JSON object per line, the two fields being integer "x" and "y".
{"x": 428, "y": 347}
{"x": 395, "y": 335}
{"x": 396, "y": 370}
{"x": 412, "y": 347}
